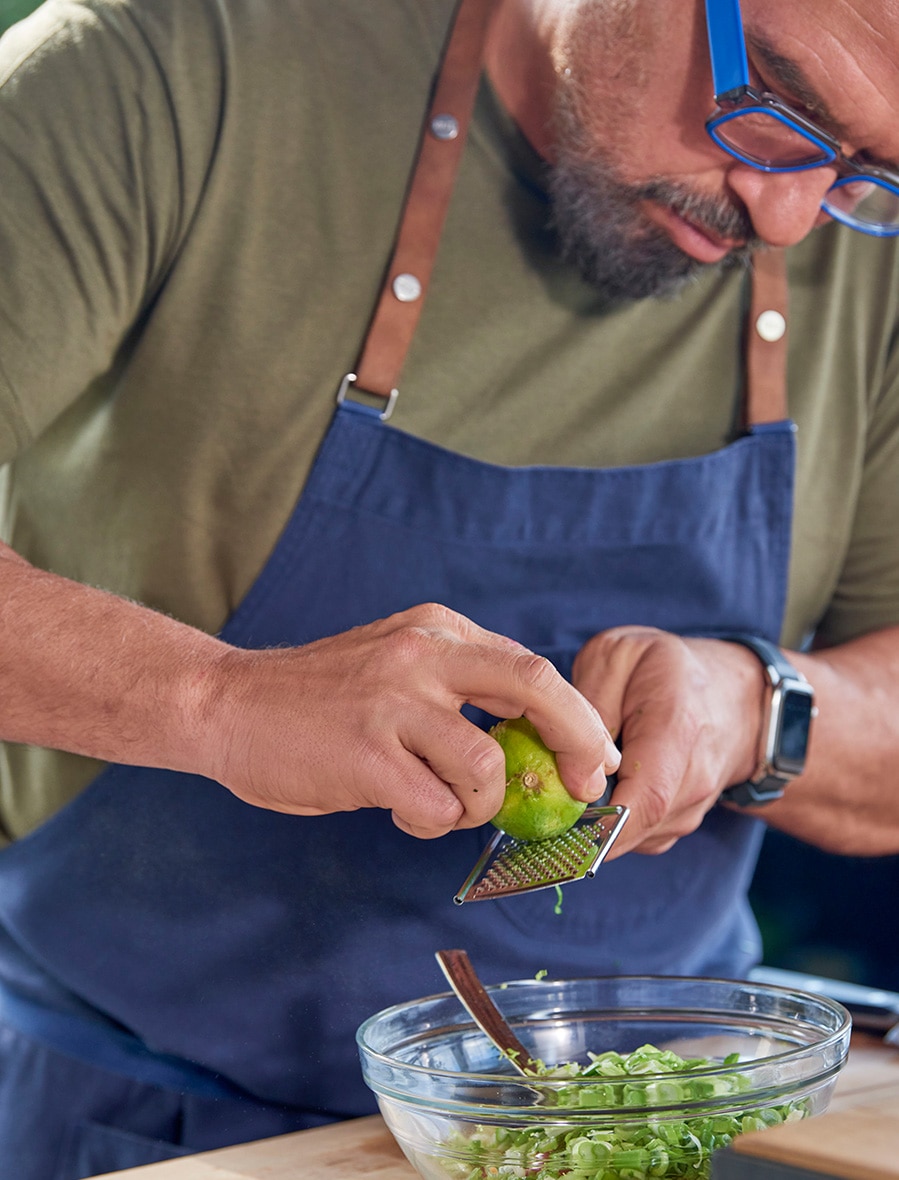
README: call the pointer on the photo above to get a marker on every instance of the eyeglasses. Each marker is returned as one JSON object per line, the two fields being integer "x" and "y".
{"x": 758, "y": 129}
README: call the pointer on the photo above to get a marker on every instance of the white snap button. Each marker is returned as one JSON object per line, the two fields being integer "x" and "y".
{"x": 406, "y": 288}
{"x": 444, "y": 127}
{"x": 771, "y": 325}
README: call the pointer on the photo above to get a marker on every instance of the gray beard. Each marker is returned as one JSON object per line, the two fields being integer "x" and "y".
{"x": 603, "y": 233}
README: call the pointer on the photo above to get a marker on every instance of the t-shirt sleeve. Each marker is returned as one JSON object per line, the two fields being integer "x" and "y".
{"x": 94, "y": 198}
{"x": 866, "y": 597}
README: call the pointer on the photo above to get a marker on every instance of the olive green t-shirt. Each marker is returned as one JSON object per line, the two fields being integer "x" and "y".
{"x": 199, "y": 200}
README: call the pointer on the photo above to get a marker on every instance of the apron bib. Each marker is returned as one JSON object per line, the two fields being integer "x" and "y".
{"x": 254, "y": 943}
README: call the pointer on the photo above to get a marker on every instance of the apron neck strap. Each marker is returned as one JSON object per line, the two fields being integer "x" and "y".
{"x": 765, "y": 397}
{"x": 399, "y": 306}
{"x": 440, "y": 150}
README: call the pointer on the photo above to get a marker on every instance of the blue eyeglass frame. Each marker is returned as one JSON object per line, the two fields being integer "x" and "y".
{"x": 730, "y": 82}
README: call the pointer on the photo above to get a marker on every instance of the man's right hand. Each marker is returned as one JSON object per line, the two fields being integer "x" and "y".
{"x": 371, "y": 718}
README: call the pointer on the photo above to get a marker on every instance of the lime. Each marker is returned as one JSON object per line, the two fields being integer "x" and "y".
{"x": 537, "y": 804}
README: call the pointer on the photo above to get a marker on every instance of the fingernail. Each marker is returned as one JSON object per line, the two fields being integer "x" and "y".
{"x": 596, "y": 786}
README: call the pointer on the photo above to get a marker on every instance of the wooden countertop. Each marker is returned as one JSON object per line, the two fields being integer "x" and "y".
{"x": 858, "y": 1138}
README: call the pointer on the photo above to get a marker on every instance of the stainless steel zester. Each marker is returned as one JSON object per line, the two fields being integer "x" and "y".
{"x": 508, "y": 866}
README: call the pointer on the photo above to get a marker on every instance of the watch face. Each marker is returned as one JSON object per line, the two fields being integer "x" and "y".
{"x": 795, "y": 720}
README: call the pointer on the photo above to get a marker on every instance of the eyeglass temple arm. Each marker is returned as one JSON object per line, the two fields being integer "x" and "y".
{"x": 727, "y": 47}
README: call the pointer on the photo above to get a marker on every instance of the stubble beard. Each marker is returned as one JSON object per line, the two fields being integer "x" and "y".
{"x": 602, "y": 229}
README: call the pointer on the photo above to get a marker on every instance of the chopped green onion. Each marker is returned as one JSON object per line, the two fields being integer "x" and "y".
{"x": 659, "y": 1148}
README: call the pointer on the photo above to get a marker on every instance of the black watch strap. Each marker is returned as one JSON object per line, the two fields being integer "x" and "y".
{"x": 770, "y": 655}
{"x": 784, "y": 734}
{"x": 755, "y": 794}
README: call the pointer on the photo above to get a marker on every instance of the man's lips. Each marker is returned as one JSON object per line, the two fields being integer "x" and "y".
{"x": 698, "y": 241}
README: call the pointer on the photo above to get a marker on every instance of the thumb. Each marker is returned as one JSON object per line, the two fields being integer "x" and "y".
{"x": 588, "y": 783}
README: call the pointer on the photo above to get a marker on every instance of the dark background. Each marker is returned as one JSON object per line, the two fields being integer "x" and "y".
{"x": 827, "y": 915}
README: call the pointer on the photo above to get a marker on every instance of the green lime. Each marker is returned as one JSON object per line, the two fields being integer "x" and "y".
{"x": 537, "y": 804}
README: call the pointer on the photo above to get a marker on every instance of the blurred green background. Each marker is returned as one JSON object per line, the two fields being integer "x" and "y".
{"x": 13, "y": 10}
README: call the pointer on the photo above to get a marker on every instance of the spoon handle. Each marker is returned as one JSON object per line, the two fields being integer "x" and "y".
{"x": 461, "y": 976}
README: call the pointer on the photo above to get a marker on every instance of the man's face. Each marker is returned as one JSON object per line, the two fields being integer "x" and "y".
{"x": 643, "y": 199}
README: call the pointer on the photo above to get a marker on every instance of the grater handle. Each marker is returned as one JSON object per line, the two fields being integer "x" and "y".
{"x": 463, "y": 979}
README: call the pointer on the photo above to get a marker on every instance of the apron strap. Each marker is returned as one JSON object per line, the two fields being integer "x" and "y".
{"x": 765, "y": 397}
{"x": 399, "y": 306}
{"x": 443, "y": 139}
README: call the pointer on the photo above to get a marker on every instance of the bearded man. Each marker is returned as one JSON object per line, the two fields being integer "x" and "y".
{"x": 369, "y": 372}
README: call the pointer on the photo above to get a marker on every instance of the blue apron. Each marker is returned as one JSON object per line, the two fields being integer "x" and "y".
{"x": 251, "y": 944}
{"x": 254, "y": 942}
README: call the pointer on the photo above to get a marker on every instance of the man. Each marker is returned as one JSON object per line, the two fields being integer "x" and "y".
{"x": 267, "y": 617}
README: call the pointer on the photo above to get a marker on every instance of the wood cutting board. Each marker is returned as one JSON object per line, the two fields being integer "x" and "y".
{"x": 857, "y": 1139}
{"x": 360, "y": 1149}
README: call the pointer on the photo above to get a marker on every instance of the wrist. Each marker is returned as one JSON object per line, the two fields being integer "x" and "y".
{"x": 783, "y": 738}
{"x": 202, "y": 706}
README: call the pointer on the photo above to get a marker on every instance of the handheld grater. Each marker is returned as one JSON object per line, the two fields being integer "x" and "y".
{"x": 508, "y": 866}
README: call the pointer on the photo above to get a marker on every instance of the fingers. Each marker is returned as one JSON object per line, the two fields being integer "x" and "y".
{"x": 666, "y": 798}
{"x": 425, "y": 806}
{"x": 516, "y": 682}
{"x": 468, "y": 762}
{"x": 671, "y": 702}
{"x": 373, "y": 718}
{"x": 506, "y": 679}
{"x": 675, "y": 706}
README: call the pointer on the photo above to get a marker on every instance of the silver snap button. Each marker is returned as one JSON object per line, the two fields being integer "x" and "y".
{"x": 771, "y": 325}
{"x": 406, "y": 288}
{"x": 444, "y": 127}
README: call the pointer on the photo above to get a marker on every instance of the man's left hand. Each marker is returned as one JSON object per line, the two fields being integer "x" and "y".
{"x": 687, "y": 714}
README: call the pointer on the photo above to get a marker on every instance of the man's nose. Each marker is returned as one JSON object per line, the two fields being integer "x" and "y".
{"x": 783, "y": 206}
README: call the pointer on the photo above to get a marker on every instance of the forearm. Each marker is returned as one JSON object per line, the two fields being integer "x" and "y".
{"x": 847, "y": 800}
{"x": 89, "y": 672}
{"x": 365, "y": 718}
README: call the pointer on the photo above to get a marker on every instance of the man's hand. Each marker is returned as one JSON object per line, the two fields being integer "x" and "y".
{"x": 687, "y": 713}
{"x": 370, "y": 718}
{"x": 367, "y": 718}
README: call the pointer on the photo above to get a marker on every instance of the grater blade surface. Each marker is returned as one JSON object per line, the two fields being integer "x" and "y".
{"x": 508, "y": 866}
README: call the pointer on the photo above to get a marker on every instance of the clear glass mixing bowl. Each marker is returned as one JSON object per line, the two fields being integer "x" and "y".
{"x": 460, "y": 1111}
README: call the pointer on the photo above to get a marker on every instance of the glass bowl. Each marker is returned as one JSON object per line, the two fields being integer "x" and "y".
{"x": 756, "y": 1055}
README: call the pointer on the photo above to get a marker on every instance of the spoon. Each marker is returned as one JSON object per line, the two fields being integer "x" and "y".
{"x": 462, "y": 978}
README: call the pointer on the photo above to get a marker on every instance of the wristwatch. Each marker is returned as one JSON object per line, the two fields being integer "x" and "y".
{"x": 784, "y": 738}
